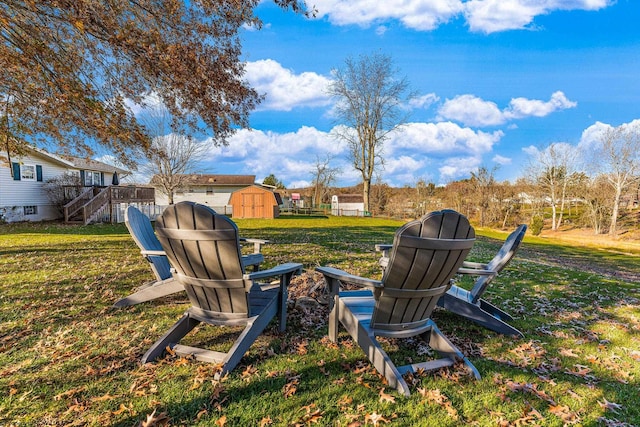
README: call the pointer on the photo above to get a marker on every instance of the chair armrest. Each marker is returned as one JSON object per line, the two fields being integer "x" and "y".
{"x": 252, "y": 260}
{"x": 257, "y": 243}
{"x": 476, "y": 271}
{"x": 149, "y": 252}
{"x": 279, "y": 270}
{"x": 384, "y": 259}
{"x": 345, "y": 277}
{"x": 384, "y": 248}
{"x": 470, "y": 264}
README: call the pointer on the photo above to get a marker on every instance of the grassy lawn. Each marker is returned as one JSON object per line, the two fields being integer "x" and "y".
{"x": 68, "y": 358}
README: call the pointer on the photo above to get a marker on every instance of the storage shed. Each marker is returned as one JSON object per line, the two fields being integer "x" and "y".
{"x": 347, "y": 205}
{"x": 255, "y": 202}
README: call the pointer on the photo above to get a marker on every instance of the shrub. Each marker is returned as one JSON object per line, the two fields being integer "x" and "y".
{"x": 537, "y": 224}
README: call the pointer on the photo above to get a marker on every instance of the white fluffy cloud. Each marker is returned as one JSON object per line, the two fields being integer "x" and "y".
{"x": 441, "y": 139}
{"x": 486, "y": 16}
{"x": 423, "y": 101}
{"x": 284, "y": 89}
{"x": 473, "y": 111}
{"x": 417, "y": 14}
{"x": 434, "y": 151}
{"x": 289, "y": 156}
{"x": 490, "y": 16}
{"x": 522, "y": 107}
{"x": 501, "y": 160}
{"x": 458, "y": 167}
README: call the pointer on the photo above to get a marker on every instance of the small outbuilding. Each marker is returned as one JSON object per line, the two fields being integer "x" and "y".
{"x": 255, "y": 202}
{"x": 347, "y": 205}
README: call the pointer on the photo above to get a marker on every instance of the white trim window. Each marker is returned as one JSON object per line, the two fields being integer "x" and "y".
{"x": 92, "y": 178}
{"x": 27, "y": 172}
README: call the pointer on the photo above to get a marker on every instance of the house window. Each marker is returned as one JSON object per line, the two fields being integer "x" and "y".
{"x": 28, "y": 172}
{"x": 92, "y": 178}
{"x": 30, "y": 210}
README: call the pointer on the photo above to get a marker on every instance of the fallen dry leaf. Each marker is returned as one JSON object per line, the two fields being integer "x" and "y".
{"x": 610, "y": 406}
{"x": 154, "y": 420}
{"x": 266, "y": 421}
{"x": 375, "y": 418}
{"x": 384, "y": 397}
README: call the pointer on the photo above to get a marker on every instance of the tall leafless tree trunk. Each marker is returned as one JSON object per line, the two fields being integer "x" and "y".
{"x": 553, "y": 168}
{"x": 619, "y": 159}
{"x": 368, "y": 97}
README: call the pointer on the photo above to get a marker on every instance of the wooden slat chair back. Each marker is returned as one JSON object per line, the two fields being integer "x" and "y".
{"x": 143, "y": 234}
{"x": 471, "y": 304}
{"x": 141, "y": 231}
{"x": 425, "y": 255}
{"x": 499, "y": 262}
{"x": 202, "y": 247}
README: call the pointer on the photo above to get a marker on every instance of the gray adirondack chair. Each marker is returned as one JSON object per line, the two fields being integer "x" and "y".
{"x": 425, "y": 255}
{"x": 470, "y": 304}
{"x": 203, "y": 248}
{"x": 141, "y": 231}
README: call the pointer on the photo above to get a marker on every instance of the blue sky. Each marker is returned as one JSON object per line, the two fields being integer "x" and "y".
{"x": 493, "y": 78}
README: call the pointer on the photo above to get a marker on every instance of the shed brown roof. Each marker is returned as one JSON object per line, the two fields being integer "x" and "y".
{"x": 207, "y": 179}
{"x": 350, "y": 198}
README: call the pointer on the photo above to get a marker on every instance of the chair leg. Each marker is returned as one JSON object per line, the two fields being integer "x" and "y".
{"x": 285, "y": 280}
{"x": 495, "y": 311}
{"x": 442, "y": 345}
{"x": 181, "y": 328}
{"x": 248, "y": 336}
{"x": 475, "y": 313}
{"x": 157, "y": 290}
{"x": 334, "y": 321}
{"x": 371, "y": 347}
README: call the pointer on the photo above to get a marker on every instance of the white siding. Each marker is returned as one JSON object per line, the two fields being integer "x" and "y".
{"x": 219, "y": 198}
{"x": 14, "y": 195}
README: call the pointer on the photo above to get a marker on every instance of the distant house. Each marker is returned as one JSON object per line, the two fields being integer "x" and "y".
{"x": 256, "y": 202}
{"x": 23, "y": 178}
{"x": 211, "y": 190}
{"x": 347, "y": 205}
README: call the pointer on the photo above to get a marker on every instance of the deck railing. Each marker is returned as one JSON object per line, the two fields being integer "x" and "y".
{"x": 94, "y": 201}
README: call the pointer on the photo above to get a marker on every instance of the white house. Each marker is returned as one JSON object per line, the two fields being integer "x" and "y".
{"x": 212, "y": 190}
{"x": 22, "y": 180}
{"x": 347, "y": 205}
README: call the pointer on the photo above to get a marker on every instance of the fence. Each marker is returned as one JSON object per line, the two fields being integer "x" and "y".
{"x": 152, "y": 210}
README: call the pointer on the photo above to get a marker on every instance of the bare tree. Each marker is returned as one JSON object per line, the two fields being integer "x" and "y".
{"x": 324, "y": 177}
{"x": 598, "y": 201}
{"x": 553, "y": 168}
{"x": 369, "y": 97}
{"x": 483, "y": 183}
{"x": 619, "y": 159}
{"x": 171, "y": 158}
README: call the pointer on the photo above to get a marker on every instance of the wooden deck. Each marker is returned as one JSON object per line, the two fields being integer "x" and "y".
{"x": 96, "y": 202}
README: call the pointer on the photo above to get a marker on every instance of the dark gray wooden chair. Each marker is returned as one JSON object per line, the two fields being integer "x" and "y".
{"x": 141, "y": 231}
{"x": 425, "y": 255}
{"x": 203, "y": 248}
{"x": 470, "y": 304}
